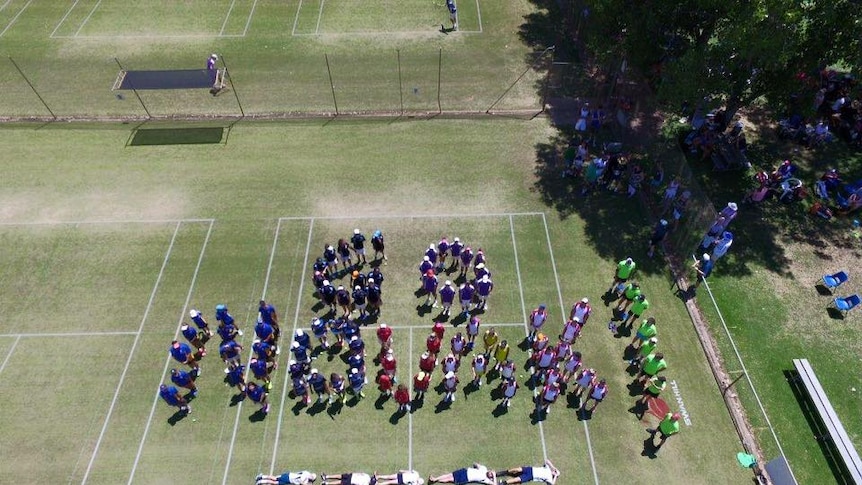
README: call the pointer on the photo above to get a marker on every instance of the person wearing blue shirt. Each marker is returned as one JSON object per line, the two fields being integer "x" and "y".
{"x": 296, "y": 369}
{"x": 336, "y": 388}
{"x": 227, "y": 331}
{"x": 171, "y": 396}
{"x": 378, "y": 244}
{"x": 424, "y": 266}
{"x": 223, "y": 316}
{"x": 236, "y": 376}
{"x": 357, "y": 382}
{"x": 331, "y": 258}
{"x": 453, "y": 13}
{"x": 358, "y": 242}
{"x": 184, "y": 379}
{"x": 300, "y": 352}
{"x": 376, "y": 275}
{"x": 351, "y": 329}
{"x": 318, "y": 384}
{"x": 356, "y": 361}
{"x": 320, "y": 266}
{"x": 259, "y": 395}
{"x": 336, "y": 326}
{"x": 318, "y": 328}
{"x": 263, "y": 351}
{"x": 230, "y": 351}
{"x": 360, "y": 301}
{"x": 182, "y": 353}
{"x": 374, "y": 297}
{"x": 261, "y": 369}
{"x": 268, "y": 315}
{"x": 264, "y": 332}
{"x": 327, "y": 294}
{"x": 201, "y": 323}
{"x": 194, "y": 338}
{"x": 703, "y": 267}
{"x": 300, "y": 389}
{"x": 356, "y": 345}
{"x": 302, "y": 337}
{"x": 431, "y": 254}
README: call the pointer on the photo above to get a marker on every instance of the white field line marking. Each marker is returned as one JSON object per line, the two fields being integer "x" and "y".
{"x": 293, "y": 331}
{"x": 5, "y": 5}
{"x": 87, "y": 19}
{"x": 745, "y": 371}
{"x": 479, "y": 14}
{"x": 250, "y": 353}
{"x": 68, "y": 334}
{"x": 64, "y": 18}
{"x": 319, "y": 17}
{"x": 250, "y": 16}
{"x": 427, "y": 33}
{"x": 9, "y": 354}
{"x": 129, "y": 221}
{"x": 119, "y": 384}
{"x": 410, "y": 412}
{"x": 226, "y": 17}
{"x": 296, "y": 19}
{"x": 563, "y": 311}
{"x": 148, "y": 36}
{"x": 413, "y": 216}
{"x": 168, "y": 359}
{"x": 526, "y": 328}
{"x": 15, "y": 18}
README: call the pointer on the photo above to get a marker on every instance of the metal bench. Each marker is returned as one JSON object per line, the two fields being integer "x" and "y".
{"x": 834, "y": 428}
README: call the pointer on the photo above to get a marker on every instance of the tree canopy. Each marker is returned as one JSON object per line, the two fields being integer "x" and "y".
{"x": 736, "y": 51}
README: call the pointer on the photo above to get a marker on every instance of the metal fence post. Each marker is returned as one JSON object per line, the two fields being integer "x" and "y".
{"x": 331, "y": 85}
{"x": 400, "y": 82}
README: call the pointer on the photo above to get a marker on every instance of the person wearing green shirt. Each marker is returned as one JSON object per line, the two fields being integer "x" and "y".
{"x": 668, "y": 427}
{"x": 624, "y": 271}
{"x": 641, "y": 304}
{"x": 646, "y": 330}
{"x": 654, "y": 386}
{"x": 652, "y": 365}
{"x": 647, "y": 348}
{"x": 631, "y": 291}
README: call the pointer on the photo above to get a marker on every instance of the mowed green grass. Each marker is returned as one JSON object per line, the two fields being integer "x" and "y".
{"x": 368, "y": 175}
{"x": 276, "y": 52}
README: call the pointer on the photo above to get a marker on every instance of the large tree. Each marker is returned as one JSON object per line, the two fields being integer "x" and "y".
{"x": 737, "y": 50}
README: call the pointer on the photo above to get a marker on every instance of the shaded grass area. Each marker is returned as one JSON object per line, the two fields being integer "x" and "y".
{"x": 177, "y": 136}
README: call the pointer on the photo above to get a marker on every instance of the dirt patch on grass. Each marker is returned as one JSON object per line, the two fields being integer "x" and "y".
{"x": 113, "y": 205}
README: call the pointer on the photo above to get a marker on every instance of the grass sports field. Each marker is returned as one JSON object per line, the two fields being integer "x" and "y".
{"x": 104, "y": 246}
{"x": 150, "y": 232}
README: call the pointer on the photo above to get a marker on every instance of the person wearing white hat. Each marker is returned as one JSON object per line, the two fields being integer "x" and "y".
{"x": 447, "y": 297}
{"x": 425, "y": 266}
{"x": 331, "y": 258}
{"x": 703, "y": 267}
{"x": 432, "y": 254}
{"x": 450, "y": 385}
{"x": 581, "y": 311}
{"x": 202, "y": 324}
{"x": 442, "y": 252}
{"x": 483, "y": 289}
{"x": 358, "y": 242}
{"x": 455, "y": 250}
{"x": 729, "y": 212}
{"x": 624, "y": 271}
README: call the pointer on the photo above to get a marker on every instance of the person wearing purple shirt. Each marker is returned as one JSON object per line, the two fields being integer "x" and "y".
{"x": 455, "y": 250}
{"x": 424, "y": 266}
{"x": 480, "y": 258}
{"x": 429, "y": 285}
{"x": 202, "y": 324}
{"x": 466, "y": 259}
{"x": 236, "y": 376}
{"x": 443, "y": 251}
{"x": 431, "y": 253}
{"x": 264, "y": 332}
{"x": 447, "y": 297}
{"x": 484, "y": 288}
{"x": 480, "y": 271}
{"x": 465, "y": 296}
{"x": 264, "y": 351}
{"x": 184, "y": 379}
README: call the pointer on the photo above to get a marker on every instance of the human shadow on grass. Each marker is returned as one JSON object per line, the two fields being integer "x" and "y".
{"x": 334, "y": 409}
{"x": 257, "y": 416}
{"x": 318, "y": 306}
{"x": 635, "y": 389}
{"x": 650, "y": 450}
{"x": 381, "y": 401}
{"x": 639, "y": 409}
{"x": 423, "y": 309}
{"x": 177, "y": 417}
{"x": 442, "y": 406}
{"x": 236, "y": 399}
{"x": 316, "y": 408}
{"x": 573, "y": 401}
{"x": 395, "y": 417}
{"x": 298, "y": 407}
{"x": 470, "y": 388}
{"x": 499, "y": 410}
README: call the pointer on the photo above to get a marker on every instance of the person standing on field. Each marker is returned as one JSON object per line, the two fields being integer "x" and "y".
{"x": 358, "y": 242}
{"x": 624, "y": 271}
{"x": 379, "y": 247}
{"x": 453, "y": 14}
{"x": 537, "y": 320}
{"x": 668, "y": 427}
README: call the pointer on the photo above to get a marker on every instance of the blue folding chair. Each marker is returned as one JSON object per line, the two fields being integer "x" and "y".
{"x": 845, "y": 304}
{"x": 833, "y": 281}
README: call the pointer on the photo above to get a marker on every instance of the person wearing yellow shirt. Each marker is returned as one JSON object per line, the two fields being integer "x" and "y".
{"x": 501, "y": 354}
{"x": 490, "y": 340}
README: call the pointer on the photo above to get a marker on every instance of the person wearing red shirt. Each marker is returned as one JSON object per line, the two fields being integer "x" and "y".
{"x": 438, "y": 330}
{"x": 402, "y": 397}
{"x": 384, "y": 335}
{"x": 427, "y": 362}
{"x": 432, "y": 343}
{"x": 384, "y": 382}
{"x": 389, "y": 365}
{"x": 421, "y": 382}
